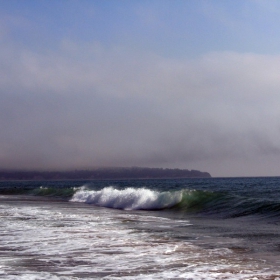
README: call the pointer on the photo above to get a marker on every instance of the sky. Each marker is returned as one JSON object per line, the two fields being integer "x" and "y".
{"x": 191, "y": 84}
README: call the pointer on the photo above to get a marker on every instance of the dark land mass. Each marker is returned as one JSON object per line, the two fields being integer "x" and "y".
{"x": 104, "y": 173}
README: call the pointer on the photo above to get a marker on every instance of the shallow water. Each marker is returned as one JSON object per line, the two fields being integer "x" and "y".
{"x": 52, "y": 237}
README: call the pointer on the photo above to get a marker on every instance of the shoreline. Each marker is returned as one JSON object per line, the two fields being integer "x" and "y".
{"x": 174, "y": 247}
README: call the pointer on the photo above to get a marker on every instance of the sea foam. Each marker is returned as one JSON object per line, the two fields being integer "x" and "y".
{"x": 129, "y": 198}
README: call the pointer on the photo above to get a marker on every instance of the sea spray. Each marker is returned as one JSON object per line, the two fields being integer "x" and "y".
{"x": 129, "y": 198}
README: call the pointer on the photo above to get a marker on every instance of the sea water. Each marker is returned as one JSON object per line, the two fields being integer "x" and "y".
{"x": 214, "y": 228}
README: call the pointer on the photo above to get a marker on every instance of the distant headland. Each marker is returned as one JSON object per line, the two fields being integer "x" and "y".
{"x": 104, "y": 173}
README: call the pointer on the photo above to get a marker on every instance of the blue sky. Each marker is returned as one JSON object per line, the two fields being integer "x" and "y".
{"x": 190, "y": 84}
{"x": 172, "y": 28}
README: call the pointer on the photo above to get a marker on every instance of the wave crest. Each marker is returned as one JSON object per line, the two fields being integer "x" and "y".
{"x": 129, "y": 198}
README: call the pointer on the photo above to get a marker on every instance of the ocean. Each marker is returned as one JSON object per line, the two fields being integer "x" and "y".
{"x": 204, "y": 228}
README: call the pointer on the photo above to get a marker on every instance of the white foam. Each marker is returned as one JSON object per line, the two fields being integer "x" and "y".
{"x": 128, "y": 198}
{"x": 66, "y": 241}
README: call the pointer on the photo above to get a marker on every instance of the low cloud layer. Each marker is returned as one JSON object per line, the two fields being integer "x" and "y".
{"x": 88, "y": 106}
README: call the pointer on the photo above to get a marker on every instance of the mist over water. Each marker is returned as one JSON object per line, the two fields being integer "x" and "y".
{"x": 84, "y": 113}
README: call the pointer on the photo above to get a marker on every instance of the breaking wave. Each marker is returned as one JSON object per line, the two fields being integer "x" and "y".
{"x": 147, "y": 199}
{"x": 129, "y": 198}
{"x": 220, "y": 204}
{"x": 223, "y": 204}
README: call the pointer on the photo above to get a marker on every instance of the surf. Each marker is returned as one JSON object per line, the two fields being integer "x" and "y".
{"x": 128, "y": 198}
{"x": 183, "y": 200}
{"x": 216, "y": 198}
{"x": 209, "y": 203}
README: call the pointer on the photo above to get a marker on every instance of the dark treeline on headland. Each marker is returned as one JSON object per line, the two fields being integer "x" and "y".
{"x": 104, "y": 173}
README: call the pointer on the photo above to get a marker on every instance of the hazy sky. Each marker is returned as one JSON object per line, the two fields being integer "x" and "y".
{"x": 180, "y": 84}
